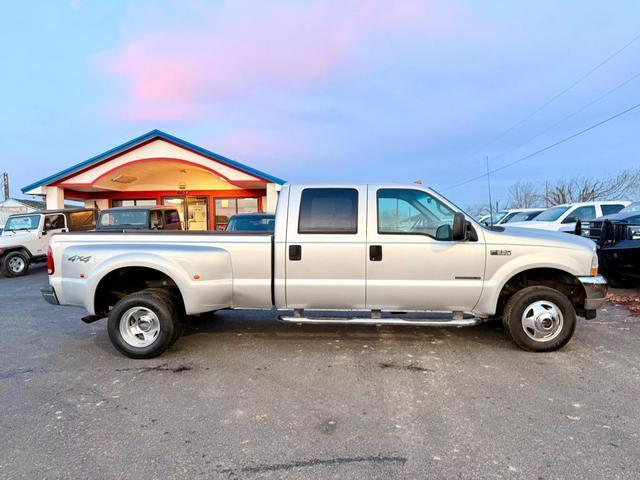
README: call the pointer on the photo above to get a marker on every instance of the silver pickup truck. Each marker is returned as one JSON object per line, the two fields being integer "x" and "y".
{"x": 383, "y": 249}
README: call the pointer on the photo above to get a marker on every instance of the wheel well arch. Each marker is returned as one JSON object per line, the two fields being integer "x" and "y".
{"x": 18, "y": 248}
{"x": 125, "y": 280}
{"x": 555, "y": 278}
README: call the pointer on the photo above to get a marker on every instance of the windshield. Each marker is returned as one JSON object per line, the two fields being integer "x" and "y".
{"x": 508, "y": 217}
{"x": 251, "y": 224}
{"x": 26, "y": 222}
{"x": 124, "y": 218}
{"x": 551, "y": 215}
{"x": 522, "y": 217}
{"x": 633, "y": 208}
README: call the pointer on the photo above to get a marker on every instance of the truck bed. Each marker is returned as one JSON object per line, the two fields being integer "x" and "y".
{"x": 220, "y": 270}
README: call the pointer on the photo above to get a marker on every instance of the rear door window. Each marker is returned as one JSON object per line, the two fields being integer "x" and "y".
{"x": 328, "y": 211}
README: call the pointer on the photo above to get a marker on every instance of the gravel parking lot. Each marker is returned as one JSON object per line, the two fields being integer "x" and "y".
{"x": 240, "y": 396}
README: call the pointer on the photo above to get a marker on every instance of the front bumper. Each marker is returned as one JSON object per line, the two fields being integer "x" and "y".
{"x": 49, "y": 294}
{"x": 596, "y": 291}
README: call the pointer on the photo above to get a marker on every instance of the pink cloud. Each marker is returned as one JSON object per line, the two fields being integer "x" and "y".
{"x": 169, "y": 72}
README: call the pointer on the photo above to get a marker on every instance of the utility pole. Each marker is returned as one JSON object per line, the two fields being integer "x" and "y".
{"x": 5, "y": 186}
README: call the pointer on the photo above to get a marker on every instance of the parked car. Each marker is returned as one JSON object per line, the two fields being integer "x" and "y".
{"x": 375, "y": 248}
{"x": 510, "y": 215}
{"x": 618, "y": 239}
{"x": 519, "y": 215}
{"x": 139, "y": 218}
{"x": 251, "y": 222}
{"x": 25, "y": 237}
{"x": 563, "y": 218}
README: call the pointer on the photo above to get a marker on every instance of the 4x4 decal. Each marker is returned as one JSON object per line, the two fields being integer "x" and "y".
{"x": 79, "y": 258}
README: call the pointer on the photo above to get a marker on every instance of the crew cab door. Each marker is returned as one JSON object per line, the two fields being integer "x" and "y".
{"x": 326, "y": 247}
{"x": 412, "y": 261}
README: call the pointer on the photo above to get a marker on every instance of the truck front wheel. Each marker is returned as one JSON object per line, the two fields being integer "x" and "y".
{"x": 15, "y": 264}
{"x": 143, "y": 324}
{"x": 539, "y": 319}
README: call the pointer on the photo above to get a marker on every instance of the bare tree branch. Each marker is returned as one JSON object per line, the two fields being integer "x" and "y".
{"x": 524, "y": 194}
{"x": 623, "y": 185}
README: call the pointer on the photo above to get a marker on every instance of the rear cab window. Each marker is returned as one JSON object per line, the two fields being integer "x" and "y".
{"x": 172, "y": 220}
{"x": 611, "y": 209}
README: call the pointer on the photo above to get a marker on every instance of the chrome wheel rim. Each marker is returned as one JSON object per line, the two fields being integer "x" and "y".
{"x": 139, "y": 327}
{"x": 542, "y": 321}
{"x": 16, "y": 265}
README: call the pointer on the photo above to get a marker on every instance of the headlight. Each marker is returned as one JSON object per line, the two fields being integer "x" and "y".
{"x": 594, "y": 264}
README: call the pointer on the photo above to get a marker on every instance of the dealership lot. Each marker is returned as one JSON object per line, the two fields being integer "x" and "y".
{"x": 240, "y": 396}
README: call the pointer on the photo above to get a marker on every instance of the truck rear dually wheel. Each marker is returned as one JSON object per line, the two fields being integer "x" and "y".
{"x": 144, "y": 324}
{"x": 15, "y": 264}
{"x": 539, "y": 319}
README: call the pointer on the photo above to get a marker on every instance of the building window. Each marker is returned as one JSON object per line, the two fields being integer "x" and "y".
{"x": 328, "y": 210}
{"x": 133, "y": 203}
{"x": 226, "y": 207}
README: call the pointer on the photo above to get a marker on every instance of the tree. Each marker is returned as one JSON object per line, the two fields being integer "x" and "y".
{"x": 524, "y": 194}
{"x": 579, "y": 189}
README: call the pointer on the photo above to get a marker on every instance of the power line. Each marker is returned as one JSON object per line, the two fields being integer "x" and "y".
{"x": 567, "y": 117}
{"x": 561, "y": 93}
{"x": 548, "y": 147}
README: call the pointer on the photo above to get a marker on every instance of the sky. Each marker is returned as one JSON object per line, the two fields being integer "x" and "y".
{"x": 332, "y": 90}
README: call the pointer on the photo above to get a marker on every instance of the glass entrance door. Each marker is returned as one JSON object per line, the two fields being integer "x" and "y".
{"x": 193, "y": 211}
{"x": 197, "y": 213}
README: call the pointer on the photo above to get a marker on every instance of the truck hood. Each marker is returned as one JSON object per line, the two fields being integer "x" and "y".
{"x": 628, "y": 217}
{"x": 541, "y": 237}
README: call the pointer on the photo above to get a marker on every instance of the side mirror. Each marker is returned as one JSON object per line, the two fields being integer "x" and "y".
{"x": 570, "y": 220}
{"x": 459, "y": 228}
{"x": 578, "y": 229}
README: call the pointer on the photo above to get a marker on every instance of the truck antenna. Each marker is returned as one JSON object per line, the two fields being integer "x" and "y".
{"x": 489, "y": 189}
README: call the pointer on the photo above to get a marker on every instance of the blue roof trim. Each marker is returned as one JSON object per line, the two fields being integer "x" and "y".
{"x": 144, "y": 138}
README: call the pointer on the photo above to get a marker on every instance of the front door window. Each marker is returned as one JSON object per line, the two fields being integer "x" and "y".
{"x": 404, "y": 211}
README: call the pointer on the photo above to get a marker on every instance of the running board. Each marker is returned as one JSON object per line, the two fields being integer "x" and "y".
{"x": 462, "y": 322}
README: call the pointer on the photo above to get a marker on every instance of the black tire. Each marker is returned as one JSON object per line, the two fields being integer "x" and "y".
{"x": 180, "y": 316}
{"x": 12, "y": 260}
{"x": 558, "y": 333}
{"x": 164, "y": 308}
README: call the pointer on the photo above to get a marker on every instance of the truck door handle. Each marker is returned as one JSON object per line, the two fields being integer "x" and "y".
{"x": 295, "y": 252}
{"x": 375, "y": 253}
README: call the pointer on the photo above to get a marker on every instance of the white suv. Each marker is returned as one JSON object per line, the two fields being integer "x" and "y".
{"x": 25, "y": 237}
{"x": 563, "y": 218}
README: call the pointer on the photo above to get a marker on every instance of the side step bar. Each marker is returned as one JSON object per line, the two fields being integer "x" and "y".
{"x": 462, "y": 322}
